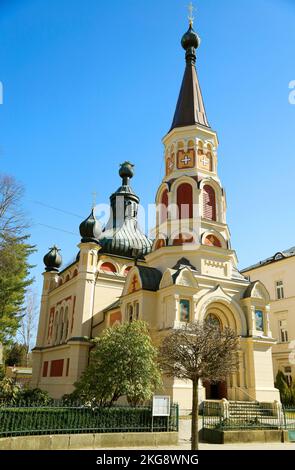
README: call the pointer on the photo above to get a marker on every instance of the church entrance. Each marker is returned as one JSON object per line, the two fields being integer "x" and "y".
{"x": 216, "y": 391}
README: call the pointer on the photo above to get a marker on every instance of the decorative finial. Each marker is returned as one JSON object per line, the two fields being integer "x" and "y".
{"x": 126, "y": 172}
{"x": 191, "y": 17}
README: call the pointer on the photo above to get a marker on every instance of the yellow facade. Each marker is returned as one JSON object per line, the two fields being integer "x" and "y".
{"x": 188, "y": 273}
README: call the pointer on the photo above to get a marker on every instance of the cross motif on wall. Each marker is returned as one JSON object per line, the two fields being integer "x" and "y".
{"x": 204, "y": 161}
{"x": 186, "y": 160}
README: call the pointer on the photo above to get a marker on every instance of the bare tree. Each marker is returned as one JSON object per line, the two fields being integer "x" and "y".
{"x": 12, "y": 218}
{"x": 28, "y": 323}
{"x": 199, "y": 351}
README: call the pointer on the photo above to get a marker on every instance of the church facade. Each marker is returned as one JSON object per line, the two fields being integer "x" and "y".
{"x": 186, "y": 272}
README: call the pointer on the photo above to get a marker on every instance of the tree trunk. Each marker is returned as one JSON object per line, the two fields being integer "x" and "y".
{"x": 195, "y": 416}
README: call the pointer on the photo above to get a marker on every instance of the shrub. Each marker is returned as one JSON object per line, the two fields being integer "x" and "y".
{"x": 33, "y": 395}
{"x": 287, "y": 392}
{"x": 9, "y": 390}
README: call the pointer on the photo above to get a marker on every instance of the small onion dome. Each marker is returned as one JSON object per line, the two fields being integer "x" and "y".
{"x": 52, "y": 259}
{"x": 190, "y": 39}
{"x": 90, "y": 229}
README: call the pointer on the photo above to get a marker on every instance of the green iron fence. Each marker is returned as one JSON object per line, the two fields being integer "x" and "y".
{"x": 289, "y": 421}
{"x": 252, "y": 415}
{"x": 58, "y": 418}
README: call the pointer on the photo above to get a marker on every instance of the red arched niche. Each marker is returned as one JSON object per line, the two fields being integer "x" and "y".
{"x": 164, "y": 206}
{"x": 209, "y": 203}
{"x": 211, "y": 240}
{"x": 108, "y": 268}
{"x": 160, "y": 244}
{"x": 185, "y": 201}
{"x": 182, "y": 239}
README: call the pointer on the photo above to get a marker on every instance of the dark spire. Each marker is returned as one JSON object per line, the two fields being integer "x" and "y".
{"x": 190, "y": 107}
{"x": 122, "y": 236}
{"x": 52, "y": 260}
{"x": 90, "y": 229}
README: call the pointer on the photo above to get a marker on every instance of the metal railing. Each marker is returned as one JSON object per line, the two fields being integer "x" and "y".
{"x": 253, "y": 415}
{"x": 58, "y": 418}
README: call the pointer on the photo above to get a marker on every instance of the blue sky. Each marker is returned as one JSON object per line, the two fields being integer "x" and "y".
{"x": 88, "y": 84}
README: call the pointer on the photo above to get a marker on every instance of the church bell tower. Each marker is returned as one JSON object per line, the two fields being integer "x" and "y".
{"x": 191, "y": 203}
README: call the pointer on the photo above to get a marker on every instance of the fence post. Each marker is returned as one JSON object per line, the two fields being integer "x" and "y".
{"x": 225, "y": 408}
{"x": 279, "y": 413}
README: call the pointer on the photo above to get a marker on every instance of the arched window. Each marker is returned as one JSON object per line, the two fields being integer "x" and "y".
{"x": 61, "y": 326}
{"x": 66, "y": 325}
{"x": 130, "y": 313}
{"x": 211, "y": 240}
{"x": 164, "y": 206}
{"x": 67, "y": 278}
{"x": 56, "y": 327}
{"x": 108, "y": 268}
{"x": 185, "y": 201}
{"x": 200, "y": 148}
{"x": 75, "y": 273}
{"x": 209, "y": 203}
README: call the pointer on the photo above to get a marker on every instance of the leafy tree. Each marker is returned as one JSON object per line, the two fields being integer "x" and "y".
{"x": 123, "y": 363}
{"x": 199, "y": 351}
{"x": 2, "y": 372}
{"x": 14, "y": 253}
{"x": 16, "y": 355}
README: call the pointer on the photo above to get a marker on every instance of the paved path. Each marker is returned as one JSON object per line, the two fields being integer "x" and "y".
{"x": 184, "y": 443}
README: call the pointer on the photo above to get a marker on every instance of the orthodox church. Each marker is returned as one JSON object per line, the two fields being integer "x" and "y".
{"x": 188, "y": 271}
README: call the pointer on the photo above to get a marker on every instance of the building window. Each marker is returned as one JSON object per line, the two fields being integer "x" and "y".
{"x": 184, "y": 310}
{"x": 185, "y": 201}
{"x": 133, "y": 312}
{"x": 283, "y": 331}
{"x": 259, "y": 320}
{"x": 209, "y": 203}
{"x": 136, "y": 307}
{"x": 164, "y": 207}
{"x": 280, "y": 290}
{"x": 130, "y": 313}
{"x": 45, "y": 369}
{"x": 68, "y": 366}
{"x": 56, "y": 368}
{"x": 288, "y": 375}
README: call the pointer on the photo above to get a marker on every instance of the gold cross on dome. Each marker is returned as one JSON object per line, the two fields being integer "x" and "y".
{"x": 191, "y": 17}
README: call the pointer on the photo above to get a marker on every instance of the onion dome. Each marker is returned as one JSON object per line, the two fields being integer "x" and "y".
{"x": 190, "y": 40}
{"x": 52, "y": 259}
{"x": 122, "y": 235}
{"x": 90, "y": 229}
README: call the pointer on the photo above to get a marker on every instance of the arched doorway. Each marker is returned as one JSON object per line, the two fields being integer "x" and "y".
{"x": 221, "y": 315}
